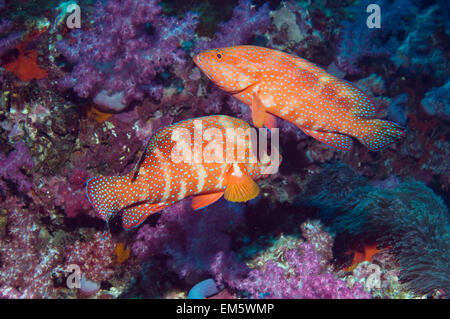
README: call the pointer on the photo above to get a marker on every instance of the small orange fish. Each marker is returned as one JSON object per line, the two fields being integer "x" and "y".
{"x": 160, "y": 179}
{"x": 271, "y": 82}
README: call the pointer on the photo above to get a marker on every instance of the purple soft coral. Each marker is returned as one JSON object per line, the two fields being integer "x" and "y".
{"x": 132, "y": 43}
{"x": 10, "y": 169}
{"x": 177, "y": 237}
{"x": 10, "y": 40}
{"x": 299, "y": 270}
{"x": 306, "y": 278}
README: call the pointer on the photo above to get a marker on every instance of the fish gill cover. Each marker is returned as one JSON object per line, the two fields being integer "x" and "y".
{"x": 84, "y": 100}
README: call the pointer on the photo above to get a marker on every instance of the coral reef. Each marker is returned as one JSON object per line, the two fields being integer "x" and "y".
{"x": 409, "y": 218}
{"x": 418, "y": 52}
{"x": 234, "y": 31}
{"x": 436, "y": 102}
{"x": 131, "y": 43}
{"x": 175, "y": 236}
{"x": 78, "y": 103}
{"x": 28, "y": 265}
{"x": 358, "y": 41}
{"x": 300, "y": 272}
{"x": 12, "y": 164}
{"x": 93, "y": 256}
{"x": 9, "y": 41}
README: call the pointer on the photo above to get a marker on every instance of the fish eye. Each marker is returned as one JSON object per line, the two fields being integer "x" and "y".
{"x": 219, "y": 56}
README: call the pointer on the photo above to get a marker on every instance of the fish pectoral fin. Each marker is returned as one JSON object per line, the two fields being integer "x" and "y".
{"x": 240, "y": 188}
{"x": 203, "y": 200}
{"x": 258, "y": 110}
{"x": 335, "y": 140}
{"x": 134, "y": 216}
{"x": 270, "y": 122}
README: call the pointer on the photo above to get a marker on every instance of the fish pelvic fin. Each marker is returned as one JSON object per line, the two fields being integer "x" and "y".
{"x": 258, "y": 110}
{"x": 379, "y": 134}
{"x": 103, "y": 194}
{"x": 270, "y": 121}
{"x": 201, "y": 201}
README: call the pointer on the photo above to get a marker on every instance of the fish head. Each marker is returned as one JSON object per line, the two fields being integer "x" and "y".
{"x": 229, "y": 68}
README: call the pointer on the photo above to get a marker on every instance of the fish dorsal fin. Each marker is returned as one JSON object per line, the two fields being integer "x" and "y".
{"x": 347, "y": 94}
{"x": 308, "y": 66}
{"x": 240, "y": 187}
{"x": 138, "y": 165}
{"x": 335, "y": 140}
{"x": 258, "y": 110}
{"x": 134, "y": 216}
{"x": 201, "y": 201}
{"x": 360, "y": 104}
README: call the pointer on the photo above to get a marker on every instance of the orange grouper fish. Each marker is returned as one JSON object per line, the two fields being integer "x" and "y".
{"x": 271, "y": 82}
{"x": 161, "y": 178}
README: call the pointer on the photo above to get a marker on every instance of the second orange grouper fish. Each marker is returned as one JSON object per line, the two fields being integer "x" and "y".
{"x": 158, "y": 181}
{"x": 271, "y": 82}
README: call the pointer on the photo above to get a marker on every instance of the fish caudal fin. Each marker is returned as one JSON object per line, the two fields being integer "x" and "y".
{"x": 378, "y": 134}
{"x": 102, "y": 194}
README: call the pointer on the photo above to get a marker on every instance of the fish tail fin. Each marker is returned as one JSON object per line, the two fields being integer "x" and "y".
{"x": 103, "y": 194}
{"x": 379, "y": 134}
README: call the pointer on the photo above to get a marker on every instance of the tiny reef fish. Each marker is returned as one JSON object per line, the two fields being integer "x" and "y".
{"x": 272, "y": 82}
{"x": 158, "y": 181}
